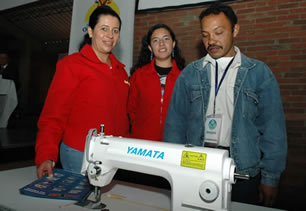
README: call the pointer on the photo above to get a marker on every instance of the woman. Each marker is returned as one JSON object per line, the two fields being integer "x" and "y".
{"x": 89, "y": 88}
{"x": 152, "y": 81}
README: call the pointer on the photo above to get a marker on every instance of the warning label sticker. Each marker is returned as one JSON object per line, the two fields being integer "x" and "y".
{"x": 195, "y": 160}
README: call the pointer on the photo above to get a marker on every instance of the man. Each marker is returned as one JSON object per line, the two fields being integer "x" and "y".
{"x": 230, "y": 101}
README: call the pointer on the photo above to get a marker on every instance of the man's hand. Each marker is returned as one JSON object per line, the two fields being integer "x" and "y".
{"x": 45, "y": 168}
{"x": 267, "y": 195}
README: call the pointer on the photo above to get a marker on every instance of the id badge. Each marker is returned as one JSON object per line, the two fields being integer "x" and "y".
{"x": 213, "y": 129}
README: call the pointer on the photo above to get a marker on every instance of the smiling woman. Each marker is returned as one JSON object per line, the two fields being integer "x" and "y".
{"x": 152, "y": 81}
{"x": 89, "y": 88}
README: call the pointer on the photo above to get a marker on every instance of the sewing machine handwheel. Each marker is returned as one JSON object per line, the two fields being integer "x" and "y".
{"x": 209, "y": 191}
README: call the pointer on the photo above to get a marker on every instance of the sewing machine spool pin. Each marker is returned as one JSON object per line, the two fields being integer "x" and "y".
{"x": 102, "y": 129}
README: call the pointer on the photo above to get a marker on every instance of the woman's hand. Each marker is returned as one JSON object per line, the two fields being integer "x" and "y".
{"x": 45, "y": 168}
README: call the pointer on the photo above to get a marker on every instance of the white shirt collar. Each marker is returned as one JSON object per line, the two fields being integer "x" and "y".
{"x": 212, "y": 61}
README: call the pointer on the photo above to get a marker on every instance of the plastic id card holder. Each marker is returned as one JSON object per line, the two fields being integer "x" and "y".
{"x": 213, "y": 129}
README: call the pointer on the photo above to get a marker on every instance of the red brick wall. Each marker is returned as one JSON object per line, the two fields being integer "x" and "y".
{"x": 273, "y": 31}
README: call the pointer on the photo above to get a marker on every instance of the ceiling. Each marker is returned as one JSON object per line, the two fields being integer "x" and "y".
{"x": 45, "y": 21}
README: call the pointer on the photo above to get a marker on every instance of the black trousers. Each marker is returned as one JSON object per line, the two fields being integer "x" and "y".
{"x": 246, "y": 191}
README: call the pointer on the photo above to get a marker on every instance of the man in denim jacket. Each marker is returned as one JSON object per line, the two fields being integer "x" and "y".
{"x": 244, "y": 101}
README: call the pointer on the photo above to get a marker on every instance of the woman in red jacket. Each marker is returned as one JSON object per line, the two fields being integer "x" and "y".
{"x": 89, "y": 88}
{"x": 152, "y": 81}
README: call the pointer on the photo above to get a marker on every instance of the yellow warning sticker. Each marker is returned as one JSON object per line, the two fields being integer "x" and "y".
{"x": 194, "y": 160}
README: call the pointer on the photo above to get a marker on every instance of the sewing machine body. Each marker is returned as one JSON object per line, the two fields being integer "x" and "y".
{"x": 200, "y": 178}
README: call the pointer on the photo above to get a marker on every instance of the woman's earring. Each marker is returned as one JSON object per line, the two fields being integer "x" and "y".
{"x": 151, "y": 57}
{"x": 172, "y": 53}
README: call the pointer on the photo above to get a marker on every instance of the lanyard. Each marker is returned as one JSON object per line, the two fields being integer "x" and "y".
{"x": 218, "y": 85}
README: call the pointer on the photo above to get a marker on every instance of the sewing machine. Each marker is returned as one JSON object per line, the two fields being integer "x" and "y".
{"x": 200, "y": 177}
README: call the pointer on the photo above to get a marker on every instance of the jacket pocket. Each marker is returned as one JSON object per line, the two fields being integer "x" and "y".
{"x": 250, "y": 104}
{"x": 195, "y": 100}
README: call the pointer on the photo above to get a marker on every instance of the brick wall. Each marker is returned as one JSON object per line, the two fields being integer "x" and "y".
{"x": 273, "y": 31}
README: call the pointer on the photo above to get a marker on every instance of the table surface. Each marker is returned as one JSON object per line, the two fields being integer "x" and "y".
{"x": 119, "y": 195}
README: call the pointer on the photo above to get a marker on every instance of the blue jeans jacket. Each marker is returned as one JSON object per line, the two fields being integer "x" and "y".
{"x": 258, "y": 139}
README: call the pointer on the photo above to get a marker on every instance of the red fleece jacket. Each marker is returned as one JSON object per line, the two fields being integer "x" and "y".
{"x": 146, "y": 111}
{"x": 84, "y": 93}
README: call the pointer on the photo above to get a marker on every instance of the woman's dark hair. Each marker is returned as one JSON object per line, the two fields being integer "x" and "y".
{"x": 216, "y": 9}
{"x": 94, "y": 18}
{"x": 106, "y": 10}
{"x": 145, "y": 53}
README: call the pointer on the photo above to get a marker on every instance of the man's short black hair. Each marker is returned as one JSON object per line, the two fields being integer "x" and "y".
{"x": 217, "y": 8}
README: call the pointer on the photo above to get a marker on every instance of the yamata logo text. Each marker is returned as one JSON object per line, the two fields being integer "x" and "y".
{"x": 146, "y": 152}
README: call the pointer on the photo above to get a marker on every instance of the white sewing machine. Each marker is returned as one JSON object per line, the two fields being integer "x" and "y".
{"x": 200, "y": 177}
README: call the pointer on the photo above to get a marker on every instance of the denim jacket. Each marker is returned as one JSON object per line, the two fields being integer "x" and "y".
{"x": 258, "y": 139}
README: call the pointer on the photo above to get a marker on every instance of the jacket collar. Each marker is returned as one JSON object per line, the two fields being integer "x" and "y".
{"x": 89, "y": 53}
{"x": 246, "y": 62}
